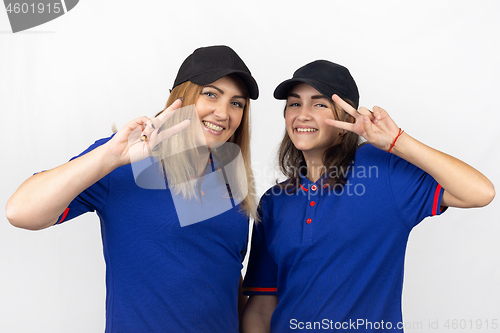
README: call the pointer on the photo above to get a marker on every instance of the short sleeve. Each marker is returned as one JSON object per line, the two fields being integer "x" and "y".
{"x": 262, "y": 273}
{"x": 93, "y": 198}
{"x": 416, "y": 194}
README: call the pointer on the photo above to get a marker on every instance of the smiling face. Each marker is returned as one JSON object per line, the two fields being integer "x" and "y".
{"x": 305, "y": 114}
{"x": 220, "y": 107}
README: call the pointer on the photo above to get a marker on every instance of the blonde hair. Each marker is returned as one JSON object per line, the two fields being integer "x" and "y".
{"x": 181, "y": 166}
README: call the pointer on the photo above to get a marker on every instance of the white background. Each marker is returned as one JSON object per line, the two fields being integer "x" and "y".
{"x": 433, "y": 65}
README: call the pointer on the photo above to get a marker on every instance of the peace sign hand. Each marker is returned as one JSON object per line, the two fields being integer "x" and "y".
{"x": 138, "y": 137}
{"x": 376, "y": 127}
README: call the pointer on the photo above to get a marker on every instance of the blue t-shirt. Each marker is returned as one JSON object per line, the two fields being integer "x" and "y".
{"x": 334, "y": 256}
{"x": 161, "y": 277}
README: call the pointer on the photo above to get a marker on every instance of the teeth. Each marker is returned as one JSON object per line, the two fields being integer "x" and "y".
{"x": 306, "y": 129}
{"x": 212, "y": 126}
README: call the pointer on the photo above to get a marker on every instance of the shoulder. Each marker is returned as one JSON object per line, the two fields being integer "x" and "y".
{"x": 367, "y": 149}
{"x": 100, "y": 142}
{"x": 276, "y": 196}
{"x": 276, "y": 190}
{"x": 367, "y": 154}
{"x": 272, "y": 193}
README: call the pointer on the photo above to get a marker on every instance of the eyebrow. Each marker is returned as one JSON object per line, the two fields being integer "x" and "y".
{"x": 222, "y": 92}
{"x": 312, "y": 97}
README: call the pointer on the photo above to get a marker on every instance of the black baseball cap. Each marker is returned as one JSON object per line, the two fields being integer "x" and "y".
{"x": 208, "y": 64}
{"x": 326, "y": 77}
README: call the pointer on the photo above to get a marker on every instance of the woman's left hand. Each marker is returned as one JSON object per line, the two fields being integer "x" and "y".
{"x": 376, "y": 127}
{"x": 464, "y": 186}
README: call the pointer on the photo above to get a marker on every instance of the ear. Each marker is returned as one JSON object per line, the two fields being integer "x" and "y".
{"x": 339, "y": 139}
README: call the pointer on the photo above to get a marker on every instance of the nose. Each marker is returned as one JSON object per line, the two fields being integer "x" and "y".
{"x": 304, "y": 113}
{"x": 220, "y": 111}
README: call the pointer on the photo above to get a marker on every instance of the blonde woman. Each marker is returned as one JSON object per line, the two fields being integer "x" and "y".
{"x": 164, "y": 274}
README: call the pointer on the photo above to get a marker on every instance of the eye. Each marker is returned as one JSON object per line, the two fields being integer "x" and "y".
{"x": 209, "y": 94}
{"x": 292, "y": 104}
{"x": 237, "y": 104}
{"x": 321, "y": 105}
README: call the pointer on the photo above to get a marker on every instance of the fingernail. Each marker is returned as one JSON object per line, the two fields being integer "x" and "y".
{"x": 191, "y": 120}
{"x": 181, "y": 99}
{"x": 152, "y": 125}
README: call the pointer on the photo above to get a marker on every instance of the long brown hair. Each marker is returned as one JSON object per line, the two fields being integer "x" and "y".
{"x": 181, "y": 169}
{"x": 337, "y": 159}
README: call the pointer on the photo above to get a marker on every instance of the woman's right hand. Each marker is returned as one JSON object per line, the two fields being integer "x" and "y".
{"x": 138, "y": 137}
{"x": 42, "y": 198}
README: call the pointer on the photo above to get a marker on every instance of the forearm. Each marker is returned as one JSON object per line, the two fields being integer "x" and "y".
{"x": 255, "y": 323}
{"x": 258, "y": 313}
{"x": 42, "y": 198}
{"x": 242, "y": 301}
{"x": 466, "y": 186}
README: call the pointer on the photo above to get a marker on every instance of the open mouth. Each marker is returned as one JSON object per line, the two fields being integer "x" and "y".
{"x": 213, "y": 127}
{"x": 306, "y": 130}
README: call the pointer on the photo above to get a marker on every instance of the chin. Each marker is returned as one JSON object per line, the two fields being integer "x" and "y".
{"x": 215, "y": 144}
{"x": 303, "y": 147}
{"x": 302, "y": 144}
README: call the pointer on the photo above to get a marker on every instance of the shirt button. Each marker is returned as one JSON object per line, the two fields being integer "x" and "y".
{"x": 312, "y": 203}
{"x": 309, "y": 221}
{"x": 314, "y": 187}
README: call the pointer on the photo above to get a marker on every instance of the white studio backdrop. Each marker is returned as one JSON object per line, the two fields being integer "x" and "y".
{"x": 433, "y": 65}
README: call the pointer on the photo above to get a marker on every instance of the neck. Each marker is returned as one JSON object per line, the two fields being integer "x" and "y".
{"x": 315, "y": 166}
{"x": 203, "y": 160}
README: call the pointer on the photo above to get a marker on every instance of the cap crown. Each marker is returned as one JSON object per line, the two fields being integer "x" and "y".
{"x": 325, "y": 76}
{"x": 208, "y": 64}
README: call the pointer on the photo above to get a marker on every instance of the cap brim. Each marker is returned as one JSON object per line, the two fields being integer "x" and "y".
{"x": 281, "y": 91}
{"x": 212, "y": 76}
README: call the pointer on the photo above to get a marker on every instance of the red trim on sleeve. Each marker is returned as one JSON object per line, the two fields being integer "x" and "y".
{"x": 436, "y": 200}
{"x": 261, "y": 289}
{"x": 64, "y": 215}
